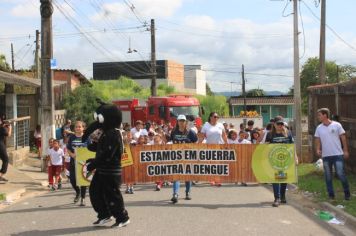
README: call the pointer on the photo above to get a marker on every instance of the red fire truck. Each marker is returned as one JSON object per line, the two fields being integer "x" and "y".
{"x": 161, "y": 109}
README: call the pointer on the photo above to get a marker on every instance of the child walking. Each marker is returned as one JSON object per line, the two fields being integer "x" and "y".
{"x": 56, "y": 155}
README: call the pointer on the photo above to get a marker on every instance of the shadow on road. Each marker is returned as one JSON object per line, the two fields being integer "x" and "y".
{"x": 60, "y": 231}
{"x": 167, "y": 203}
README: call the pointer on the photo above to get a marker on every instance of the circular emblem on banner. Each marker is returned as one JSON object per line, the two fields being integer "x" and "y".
{"x": 87, "y": 175}
{"x": 280, "y": 157}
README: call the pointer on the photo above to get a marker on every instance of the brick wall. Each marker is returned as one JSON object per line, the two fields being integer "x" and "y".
{"x": 175, "y": 72}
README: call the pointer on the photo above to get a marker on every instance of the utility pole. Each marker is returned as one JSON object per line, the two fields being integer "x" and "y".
{"x": 244, "y": 93}
{"x": 337, "y": 74}
{"x": 297, "y": 98}
{"x": 47, "y": 106}
{"x": 153, "y": 59}
{"x": 322, "y": 69}
{"x": 12, "y": 58}
{"x": 37, "y": 56}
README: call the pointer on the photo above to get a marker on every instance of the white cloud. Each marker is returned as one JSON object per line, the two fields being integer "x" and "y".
{"x": 31, "y": 9}
{"x": 265, "y": 48}
{"x": 144, "y": 9}
{"x": 26, "y": 9}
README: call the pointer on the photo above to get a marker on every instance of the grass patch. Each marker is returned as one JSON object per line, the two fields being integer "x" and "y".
{"x": 312, "y": 180}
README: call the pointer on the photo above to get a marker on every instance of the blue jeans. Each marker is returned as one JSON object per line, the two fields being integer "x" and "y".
{"x": 338, "y": 163}
{"x": 279, "y": 190}
{"x": 176, "y": 184}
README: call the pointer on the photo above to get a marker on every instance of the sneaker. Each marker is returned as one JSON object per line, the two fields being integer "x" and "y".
{"x": 283, "y": 200}
{"x": 101, "y": 222}
{"x": 76, "y": 199}
{"x": 59, "y": 185}
{"x": 158, "y": 187}
{"x": 174, "y": 199}
{"x": 119, "y": 224}
{"x": 127, "y": 191}
{"x": 275, "y": 203}
{"x": 347, "y": 197}
{"x": 53, "y": 188}
{"x": 218, "y": 184}
{"x": 331, "y": 197}
{"x": 3, "y": 179}
{"x": 243, "y": 184}
{"x": 187, "y": 196}
{"x": 82, "y": 202}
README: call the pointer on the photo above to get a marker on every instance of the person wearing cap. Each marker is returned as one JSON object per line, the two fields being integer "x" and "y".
{"x": 181, "y": 134}
{"x": 279, "y": 134}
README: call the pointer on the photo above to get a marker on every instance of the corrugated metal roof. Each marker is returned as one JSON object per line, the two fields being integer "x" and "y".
{"x": 351, "y": 81}
{"x": 265, "y": 100}
{"x": 10, "y": 78}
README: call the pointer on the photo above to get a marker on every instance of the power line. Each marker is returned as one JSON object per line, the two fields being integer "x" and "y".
{"x": 100, "y": 48}
{"x": 96, "y": 4}
{"x": 70, "y": 34}
{"x": 25, "y": 54}
{"x": 301, "y": 20}
{"x": 329, "y": 27}
{"x": 285, "y": 8}
{"x": 225, "y": 36}
{"x": 232, "y": 72}
{"x": 132, "y": 9}
{"x": 221, "y": 31}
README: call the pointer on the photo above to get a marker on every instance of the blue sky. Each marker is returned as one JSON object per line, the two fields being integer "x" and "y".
{"x": 220, "y": 35}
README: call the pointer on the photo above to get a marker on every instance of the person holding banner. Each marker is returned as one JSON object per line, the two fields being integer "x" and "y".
{"x": 181, "y": 134}
{"x": 279, "y": 134}
{"x": 74, "y": 141}
{"x": 214, "y": 133}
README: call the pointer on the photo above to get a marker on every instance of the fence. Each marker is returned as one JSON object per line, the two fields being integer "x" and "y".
{"x": 20, "y": 136}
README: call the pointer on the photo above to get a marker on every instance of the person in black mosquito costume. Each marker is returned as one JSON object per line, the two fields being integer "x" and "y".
{"x": 104, "y": 190}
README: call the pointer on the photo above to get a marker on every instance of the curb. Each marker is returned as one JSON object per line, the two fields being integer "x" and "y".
{"x": 15, "y": 195}
{"x": 351, "y": 219}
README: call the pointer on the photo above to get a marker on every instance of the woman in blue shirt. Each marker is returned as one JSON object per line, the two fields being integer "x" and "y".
{"x": 181, "y": 134}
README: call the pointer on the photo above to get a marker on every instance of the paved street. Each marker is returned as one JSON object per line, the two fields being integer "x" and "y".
{"x": 229, "y": 210}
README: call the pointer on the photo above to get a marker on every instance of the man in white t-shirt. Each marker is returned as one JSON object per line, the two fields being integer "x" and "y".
{"x": 138, "y": 130}
{"x": 331, "y": 145}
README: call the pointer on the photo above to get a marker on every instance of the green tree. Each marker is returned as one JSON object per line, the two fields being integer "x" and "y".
{"x": 208, "y": 90}
{"x": 255, "y": 93}
{"x": 81, "y": 103}
{"x": 310, "y": 76}
{"x": 4, "y": 66}
{"x": 213, "y": 103}
{"x": 166, "y": 89}
{"x": 291, "y": 91}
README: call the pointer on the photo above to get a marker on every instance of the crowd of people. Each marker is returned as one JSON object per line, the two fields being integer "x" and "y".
{"x": 61, "y": 153}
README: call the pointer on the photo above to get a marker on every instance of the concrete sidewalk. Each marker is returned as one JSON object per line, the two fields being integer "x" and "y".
{"x": 24, "y": 181}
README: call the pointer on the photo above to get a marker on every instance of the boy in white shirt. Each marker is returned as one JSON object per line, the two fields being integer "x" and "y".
{"x": 56, "y": 155}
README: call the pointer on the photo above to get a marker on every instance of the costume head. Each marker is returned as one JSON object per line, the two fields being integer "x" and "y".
{"x": 106, "y": 117}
